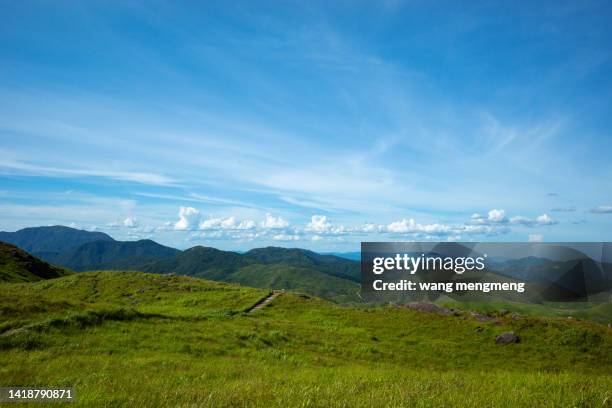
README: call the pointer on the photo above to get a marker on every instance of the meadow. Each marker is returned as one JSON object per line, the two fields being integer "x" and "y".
{"x": 135, "y": 339}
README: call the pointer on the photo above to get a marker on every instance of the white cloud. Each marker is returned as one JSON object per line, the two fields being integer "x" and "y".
{"x": 497, "y": 215}
{"x": 367, "y": 228}
{"x": 230, "y": 223}
{"x": 275, "y": 228}
{"x": 536, "y": 238}
{"x": 520, "y": 220}
{"x": 482, "y": 229}
{"x": 540, "y": 220}
{"x": 188, "y": 219}
{"x": 545, "y": 219}
{"x": 410, "y": 226}
{"x": 319, "y": 224}
{"x": 286, "y": 237}
{"x": 130, "y": 222}
{"x": 271, "y": 222}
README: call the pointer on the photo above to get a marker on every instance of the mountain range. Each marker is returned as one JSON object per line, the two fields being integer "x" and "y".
{"x": 326, "y": 276}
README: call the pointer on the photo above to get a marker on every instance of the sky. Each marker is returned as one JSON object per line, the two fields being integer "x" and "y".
{"x": 314, "y": 124}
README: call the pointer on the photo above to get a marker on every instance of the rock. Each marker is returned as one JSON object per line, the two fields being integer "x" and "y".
{"x": 479, "y": 329}
{"x": 481, "y": 317}
{"x": 507, "y": 338}
{"x": 503, "y": 312}
{"x": 516, "y": 316}
{"x": 428, "y": 307}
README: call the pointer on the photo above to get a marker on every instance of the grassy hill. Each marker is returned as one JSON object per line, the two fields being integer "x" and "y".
{"x": 136, "y": 339}
{"x": 19, "y": 266}
{"x": 296, "y": 279}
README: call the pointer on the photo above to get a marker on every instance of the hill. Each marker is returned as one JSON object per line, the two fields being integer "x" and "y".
{"x": 99, "y": 255}
{"x": 55, "y": 239}
{"x": 305, "y": 280}
{"x": 19, "y": 266}
{"x": 275, "y": 268}
{"x": 328, "y": 264}
{"x": 126, "y": 339}
{"x": 200, "y": 261}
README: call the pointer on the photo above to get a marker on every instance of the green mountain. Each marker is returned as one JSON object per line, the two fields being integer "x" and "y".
{"x": 275, "y": 268}
{"x": 200, "y": 261}
{"x": 19, "y": 266}
{"x": 55, "y": 239}
{"x": 328, "y": 264}
{"x": 100, "y": 255}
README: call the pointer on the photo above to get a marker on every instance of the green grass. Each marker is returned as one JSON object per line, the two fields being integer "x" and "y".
{"x": 600, "y": 312}
{"x": 134, "y": 339}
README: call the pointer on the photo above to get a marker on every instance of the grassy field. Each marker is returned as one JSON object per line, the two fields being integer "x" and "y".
{"x": 134, "y": 339}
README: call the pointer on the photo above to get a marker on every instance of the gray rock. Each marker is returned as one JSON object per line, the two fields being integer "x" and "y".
{"x": 481, "y": 317}
{"x": 507, "y": 338}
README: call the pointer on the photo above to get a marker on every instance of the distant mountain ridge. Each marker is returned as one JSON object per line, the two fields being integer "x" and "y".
{"x": 51, "y": 239}
{"x": 327, "y": 276}
{"x": 99, "y": 255}
{"x": 353, "y": 256}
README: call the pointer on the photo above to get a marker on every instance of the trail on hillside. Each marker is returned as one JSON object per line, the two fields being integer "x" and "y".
{"x": 263, "y": 302}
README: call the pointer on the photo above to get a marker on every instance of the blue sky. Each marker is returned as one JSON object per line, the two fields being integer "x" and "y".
{"x": 310, "y": 124}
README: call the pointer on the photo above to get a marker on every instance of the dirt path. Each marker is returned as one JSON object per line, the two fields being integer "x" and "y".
{"x": 263, "y": 302}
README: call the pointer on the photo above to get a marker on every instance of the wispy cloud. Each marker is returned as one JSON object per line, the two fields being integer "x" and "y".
{"x": 16, "y": 167}
{"x": 602, "y": 209}
{"x": 563, "y": 209}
